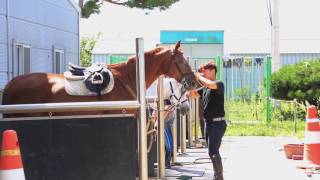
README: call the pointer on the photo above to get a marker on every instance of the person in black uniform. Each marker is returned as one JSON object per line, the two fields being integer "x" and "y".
{"x": 212, "y": 95}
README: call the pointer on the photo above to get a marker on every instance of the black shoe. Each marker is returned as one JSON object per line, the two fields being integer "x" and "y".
{"x": 217, "y": 167}
{"x": 168, "y": 166}
{"x": 168, "y": 160}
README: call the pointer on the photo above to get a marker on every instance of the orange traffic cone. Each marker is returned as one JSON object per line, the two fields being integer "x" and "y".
{"x": 11, "y": 167}
{"x": 312, "y": 137}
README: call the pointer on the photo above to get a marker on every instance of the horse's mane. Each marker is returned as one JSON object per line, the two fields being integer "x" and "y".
{"x": 133, "y": 58}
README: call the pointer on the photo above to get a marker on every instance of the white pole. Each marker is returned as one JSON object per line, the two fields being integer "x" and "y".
{"x": 190, "y": 135}
{"x": 174, "y": 134}
{"x": 196, "y": 119}
{"x": 161, "y": 143}
{"x": 275, "y": 46}
{"x": 183, "y": 134}
{"x": 141, "y": 91}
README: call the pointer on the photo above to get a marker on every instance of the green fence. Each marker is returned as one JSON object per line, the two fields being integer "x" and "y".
{"x": 117, "y": 59}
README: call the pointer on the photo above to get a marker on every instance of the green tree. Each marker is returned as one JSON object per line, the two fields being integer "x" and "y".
{"x": 89, "y": 7}
{"x": 298, "y": 81}
{"x": 86, "y": 46}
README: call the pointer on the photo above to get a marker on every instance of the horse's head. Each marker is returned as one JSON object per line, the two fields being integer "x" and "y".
{"x": 181, "y": 70}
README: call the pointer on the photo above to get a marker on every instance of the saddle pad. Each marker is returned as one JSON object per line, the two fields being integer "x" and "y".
{"x": 75, "y": 86}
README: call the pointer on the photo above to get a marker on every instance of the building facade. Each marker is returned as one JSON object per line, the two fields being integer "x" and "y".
{"x": 37, "y": 36}
{"x": 242, "y": 67}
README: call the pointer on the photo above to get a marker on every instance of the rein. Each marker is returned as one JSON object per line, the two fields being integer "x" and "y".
{"x": 128, "y": 88}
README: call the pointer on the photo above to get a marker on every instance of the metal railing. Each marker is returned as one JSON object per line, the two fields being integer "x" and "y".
{"x": 104, "y": 105}
{"x": 70, "y": 106}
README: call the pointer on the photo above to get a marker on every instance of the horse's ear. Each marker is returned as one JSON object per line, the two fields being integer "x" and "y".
{"x": 177, "y": 46}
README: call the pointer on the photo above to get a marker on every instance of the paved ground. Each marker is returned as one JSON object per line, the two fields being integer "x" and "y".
{"x": 244, "y": 158}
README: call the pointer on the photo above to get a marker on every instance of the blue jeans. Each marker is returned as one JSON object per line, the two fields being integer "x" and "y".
{"x": 214, "y": 134}
{"x": 168, "y": 137}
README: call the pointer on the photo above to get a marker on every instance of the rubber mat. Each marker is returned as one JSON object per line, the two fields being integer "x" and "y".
{"x": 180, "y": 171}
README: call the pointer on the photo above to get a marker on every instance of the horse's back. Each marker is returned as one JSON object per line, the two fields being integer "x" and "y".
{"x": 28, "y": 88}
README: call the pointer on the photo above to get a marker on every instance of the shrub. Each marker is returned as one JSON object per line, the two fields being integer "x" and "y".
{"x": 298, "y": 81}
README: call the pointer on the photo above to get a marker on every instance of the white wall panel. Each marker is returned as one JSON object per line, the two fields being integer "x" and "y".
{"x": 45, "y": 13}
{"x": 3, "y": 6}
{"x": 71, "y": 57}
{"x": 41, "y": 24}
{"x": 41, "y": 60}
{"x": 3, "y": 57}
{"x": 42, "y": 36}
{"x": 3, "y": 29}
{"x": 3, "y": 80}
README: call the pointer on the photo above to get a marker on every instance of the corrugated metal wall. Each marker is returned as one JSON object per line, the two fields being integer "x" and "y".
{"x": 291, "y": 58}
{"x": 248, "y": 76}
{"x": 285, "y": 58}
{"x": 100, "y": 58}
{"x": 42, "y": 24}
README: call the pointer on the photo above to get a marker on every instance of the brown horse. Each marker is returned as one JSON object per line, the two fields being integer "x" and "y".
{"x": 49, "y": 88}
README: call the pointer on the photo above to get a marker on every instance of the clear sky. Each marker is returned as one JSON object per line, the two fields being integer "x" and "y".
{"x": 245, "y": 22}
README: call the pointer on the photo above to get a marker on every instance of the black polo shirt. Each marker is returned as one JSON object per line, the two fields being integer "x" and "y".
{"x": 213, "y": 101}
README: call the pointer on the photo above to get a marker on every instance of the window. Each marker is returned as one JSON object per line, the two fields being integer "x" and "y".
{"x": 22, "y": 59}
{"x": 59, "y": 65}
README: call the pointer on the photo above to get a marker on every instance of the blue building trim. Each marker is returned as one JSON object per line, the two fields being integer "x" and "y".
{"x": 192, "y": 37}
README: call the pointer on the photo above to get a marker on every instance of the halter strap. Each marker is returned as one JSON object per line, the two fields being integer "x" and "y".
{"x": 172, "y": 92}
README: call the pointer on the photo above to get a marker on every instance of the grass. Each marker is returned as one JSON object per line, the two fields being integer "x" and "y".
{"x": 275, "y": 128}
{"x": 248, "y": 119}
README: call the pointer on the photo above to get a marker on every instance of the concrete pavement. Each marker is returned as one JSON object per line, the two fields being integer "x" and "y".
{"x": 244, "y": 158}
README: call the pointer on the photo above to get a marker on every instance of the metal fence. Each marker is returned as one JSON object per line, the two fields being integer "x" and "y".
{"x": 137, "y": 104}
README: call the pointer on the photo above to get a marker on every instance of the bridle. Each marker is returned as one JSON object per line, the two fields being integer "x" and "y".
{"x": 187, "y": 78}
{"x": 173, "y": 95}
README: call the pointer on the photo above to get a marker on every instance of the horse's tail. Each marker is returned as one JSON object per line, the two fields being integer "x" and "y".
{"x": 6, "y": 89}
{"x": 4, "y": 98}
{"x": 7, "y": 95}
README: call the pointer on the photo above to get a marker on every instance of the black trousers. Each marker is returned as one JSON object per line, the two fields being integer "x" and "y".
{"x": 214, "y": 134}
{"x": 202, "y": 126}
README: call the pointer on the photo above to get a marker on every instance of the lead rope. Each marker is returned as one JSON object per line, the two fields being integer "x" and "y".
{"x": 151, "y": 131}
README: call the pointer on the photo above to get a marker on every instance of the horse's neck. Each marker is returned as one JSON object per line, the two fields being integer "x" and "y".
{"x": 155, "y": 66}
